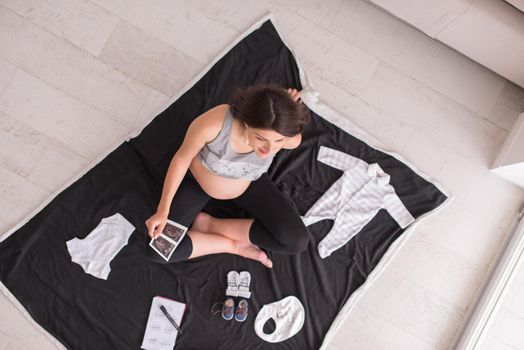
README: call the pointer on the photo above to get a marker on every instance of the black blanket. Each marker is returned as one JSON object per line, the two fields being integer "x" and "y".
{"x": 84, "y": 312}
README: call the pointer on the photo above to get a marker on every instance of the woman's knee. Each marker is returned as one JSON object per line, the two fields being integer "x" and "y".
{"x": 285, "y": 237}
{"x": 300, "y": 242}
{"x": 294, "y": 239}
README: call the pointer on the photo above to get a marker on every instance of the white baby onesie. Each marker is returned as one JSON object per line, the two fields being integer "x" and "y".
{"x": 353, "y": 200}
{"x": 95, "y": 252}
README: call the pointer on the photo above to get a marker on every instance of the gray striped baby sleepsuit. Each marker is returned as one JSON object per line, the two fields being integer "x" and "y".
{"x": 353, "y": 200}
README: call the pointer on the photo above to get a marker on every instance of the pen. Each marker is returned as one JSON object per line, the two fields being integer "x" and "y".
{"x": 170, "y": 319}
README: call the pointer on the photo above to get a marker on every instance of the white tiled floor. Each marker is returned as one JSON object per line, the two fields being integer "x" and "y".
{"x": 505, "y": 331}
{"x": 77, "y": 76}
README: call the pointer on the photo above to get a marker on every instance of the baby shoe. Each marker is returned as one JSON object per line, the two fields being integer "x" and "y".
{"x": 243, "y": 288}
{"x": 241, "y": 311}
{"x": 228, "y": 309}
{"x": 233, "y": 281}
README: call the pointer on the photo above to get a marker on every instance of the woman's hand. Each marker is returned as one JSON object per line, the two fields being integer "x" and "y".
{"x": 155, "y": 224}
{"x": 295, "y": 94}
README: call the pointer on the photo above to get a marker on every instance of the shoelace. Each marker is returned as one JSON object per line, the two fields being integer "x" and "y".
{"x": 216, "y": 308}
{"x": 243, "y": 282}
{"x": 231, "y": 282}
{"x": 242, "y": 310}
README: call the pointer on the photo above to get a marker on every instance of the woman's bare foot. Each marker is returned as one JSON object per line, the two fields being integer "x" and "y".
{"x": 202, "y": 222}
{"x": 251, "y": 251}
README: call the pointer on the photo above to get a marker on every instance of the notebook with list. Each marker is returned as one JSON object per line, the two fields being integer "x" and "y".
{"x": 160, "y": 334}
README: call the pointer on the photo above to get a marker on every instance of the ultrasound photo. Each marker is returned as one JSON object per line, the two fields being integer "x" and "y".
{"x": 166, "y": 243}
{"x": 175, "y": 232}
{"x": 163, "y": 247}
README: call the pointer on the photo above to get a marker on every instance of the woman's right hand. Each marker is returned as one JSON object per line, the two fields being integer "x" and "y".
{"x": 295, "y": 94}
{"x": 155, "y": 224}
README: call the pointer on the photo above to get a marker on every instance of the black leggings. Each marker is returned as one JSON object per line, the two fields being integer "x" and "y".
{"x": 277, "y": 225}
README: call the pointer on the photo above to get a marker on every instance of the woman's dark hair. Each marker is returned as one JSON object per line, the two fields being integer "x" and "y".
{"x": 269, "y": 106}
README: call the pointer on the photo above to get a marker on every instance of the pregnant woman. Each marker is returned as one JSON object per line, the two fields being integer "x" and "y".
{"x": 225, "y": 155}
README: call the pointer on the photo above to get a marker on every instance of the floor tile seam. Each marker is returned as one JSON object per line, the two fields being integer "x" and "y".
{"x": 475, "y": 114}
{"x": 512, "y": 312}
{"x": 430, "y": 291}
{"x": 46, "y": 192}
{"x": 9, "y": 80}
{"x": 191, "y": 5}
{"x": 367, "y": 310}
{"x": 481, "y": 269}
{"x": 382, "y": 60}
{"x": 503, "y": 341}
{"x": 456, "y": 17}
{"x": 398, "y": 325}
{"x": 152, "y": 35}
{"x": 105, "y": 113}
{"x": 28, "y": 178}
{"x": 413, "y": 334}
{"x": 40, "y": 26}
{"x": 438, "y": 93}
{"x": 360, "y": 99}
{"x": 413, "y": 127}
{"x": 49, "y": 139}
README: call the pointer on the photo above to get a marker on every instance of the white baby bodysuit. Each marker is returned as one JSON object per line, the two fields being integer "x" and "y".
{"x": 95, "y": 252}
{"x": 353, "y": 200}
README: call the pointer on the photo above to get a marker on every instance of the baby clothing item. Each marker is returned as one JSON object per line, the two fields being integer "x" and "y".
{"x": 228, "y": 309}
{"x": 95, "y": 252}
{"x": 238, "y": 284}
{"x": 219, "y": 158}
{"x": 233, "y": 282}
{"x": 288, "y": 315}
{"x": 241, "y": 311}
{"x": 353, "y": 200}
{"x": 243, "y": 288}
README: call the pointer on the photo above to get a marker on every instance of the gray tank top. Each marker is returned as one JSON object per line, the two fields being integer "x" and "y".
{"x": 219, "y": 157}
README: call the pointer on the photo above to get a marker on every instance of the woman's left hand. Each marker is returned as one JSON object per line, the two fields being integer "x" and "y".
{"x": 295, "y": 94}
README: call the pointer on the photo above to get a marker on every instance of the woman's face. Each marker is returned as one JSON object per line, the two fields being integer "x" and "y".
{"x": 265, "y": 141}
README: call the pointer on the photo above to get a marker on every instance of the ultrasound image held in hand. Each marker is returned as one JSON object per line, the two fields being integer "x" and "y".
{"x": 166, "y": 243}
{"x": 163, "y": 246}
{"x": 173, "y": 232}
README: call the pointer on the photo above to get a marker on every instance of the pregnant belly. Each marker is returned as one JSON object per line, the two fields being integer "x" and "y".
{"x": 217, "y": 186}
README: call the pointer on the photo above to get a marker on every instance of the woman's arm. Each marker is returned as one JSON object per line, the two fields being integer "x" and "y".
{"x": 175, "y": 173}
{"x": 203, "y": 129}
